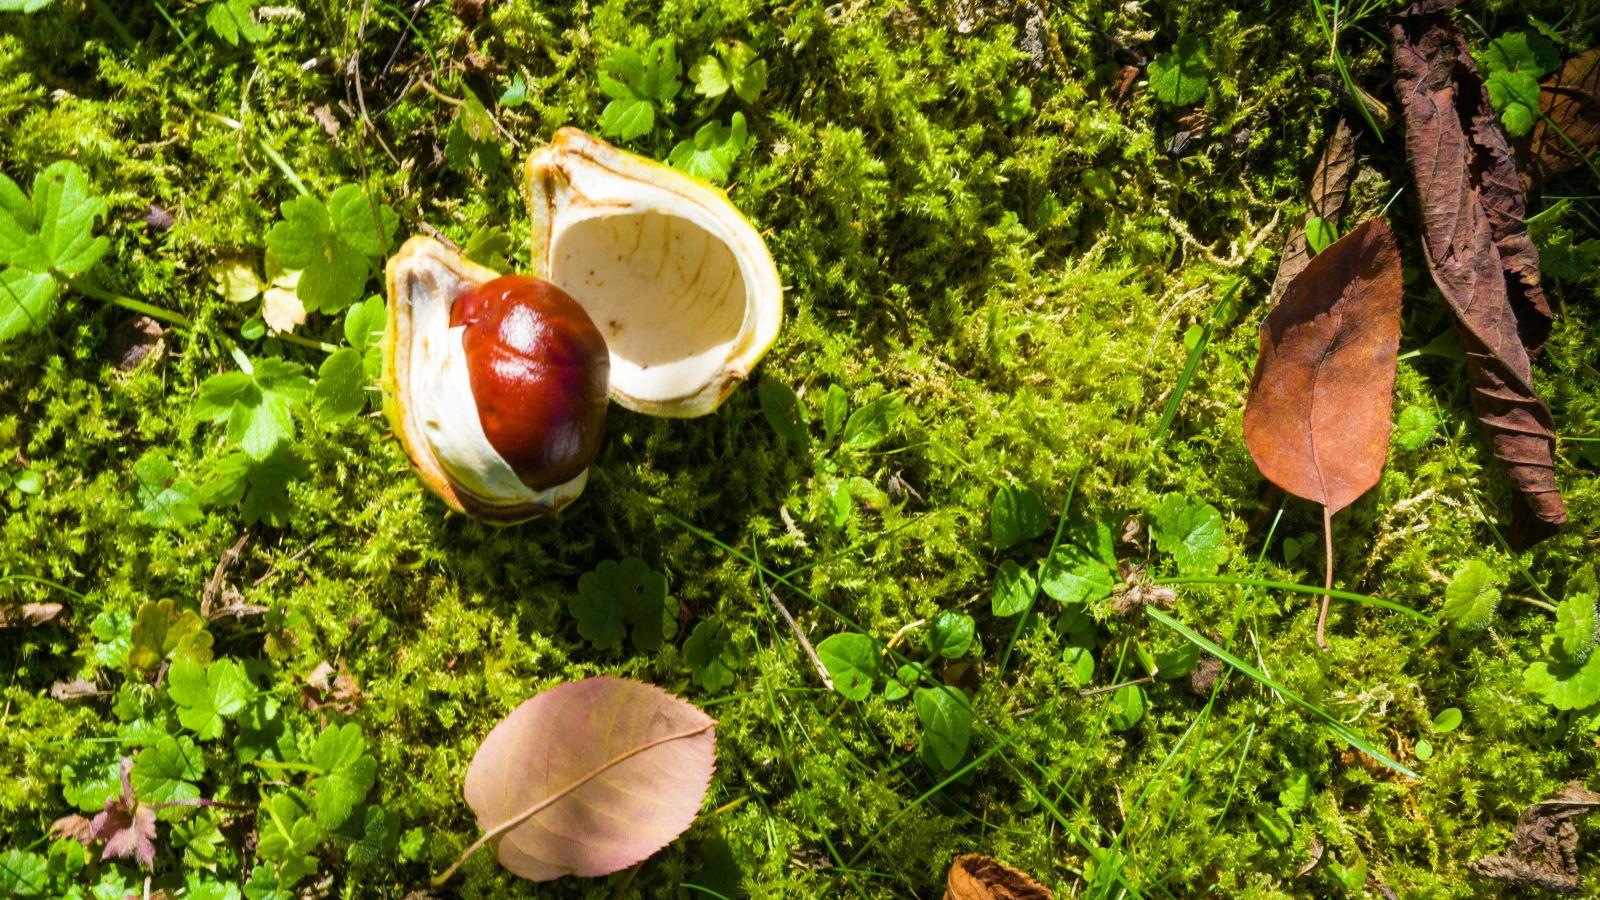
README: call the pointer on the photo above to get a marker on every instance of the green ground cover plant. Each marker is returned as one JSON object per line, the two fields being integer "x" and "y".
{"x": 977, "y": 562}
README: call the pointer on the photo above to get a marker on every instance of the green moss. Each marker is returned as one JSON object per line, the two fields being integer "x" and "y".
{"x": 1026, "y": 288}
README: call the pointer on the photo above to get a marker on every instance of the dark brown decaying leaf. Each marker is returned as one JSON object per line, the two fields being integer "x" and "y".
{"x": 1544, "y": 846}
{"x": 1571, "y": 100}
{"x": 588, "y": 778}
{"x": 974, "y": 876}
{"x": 1330, "y": 186}
{"x": 1317, "y": 418}
{"x": 1479, "y": 252}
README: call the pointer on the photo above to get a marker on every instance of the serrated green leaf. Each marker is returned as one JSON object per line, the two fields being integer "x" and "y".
{"x": 747, "y": 73}
{"x": 1562, "y": 683}
{"x": 1519, "y": 51}
{"x": 1576, "y": 619}
{"x": 27, "y": 301}
{"x": 257, "y": 407}
{"x": 627, "y": 118}
{"x": 852, "y": 662}
{"x": 1516, "y": 96}
{"x": 208, "y": 695}
{"x": 619, "y": 598}
{"x": 289, "y": 836}
{"x": 260, "y": 488}
{"x": 167, "y": 771}
{"x": 710, "y": 154}
{"x": 708, "y": 76}
{"x": 165, "y": 500}
{"x": 364, "y": 323}
{"x": 1472, "y": 595}
{"x": 1191, "y": 532}
{"x": 1180, "y": 76}
{"x": 347, "y": 774}
{"x": 160, "y": 631}
{"x": 233, "y": 20}
{"x": 379, "y": 834}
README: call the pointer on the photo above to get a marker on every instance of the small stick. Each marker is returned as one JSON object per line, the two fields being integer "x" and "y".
{"x": 1090, "y": 692}
{"x": 783, "y": 611}
{"x": 1327, "y": 578}
{"x": 215, "y": 584}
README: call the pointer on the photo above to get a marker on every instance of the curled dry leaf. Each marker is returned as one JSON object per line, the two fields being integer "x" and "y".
{"x": 1479, "y": 252}
{"x": 1330, "y": 186}
{"x": 974, "y": 876}
{"x": 589, "y": 777}
{"x": 1317, "y": 418}
{"x": 1544, "y": 845}
{"x": 1569, "y": 100}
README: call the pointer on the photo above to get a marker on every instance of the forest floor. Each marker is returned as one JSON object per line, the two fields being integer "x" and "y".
{"x": 990, "y": 215}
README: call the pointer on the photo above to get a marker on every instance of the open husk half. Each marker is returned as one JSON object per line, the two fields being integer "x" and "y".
{"x": 429, "y": 400}
{"x": 679, "y": 283}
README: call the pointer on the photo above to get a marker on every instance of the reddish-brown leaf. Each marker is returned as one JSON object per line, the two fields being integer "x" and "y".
{"x": 1317, "y": 419}
{"x": 1571, "y": 100}
{"x": 977, "y": 877}
{"x": 590, "y": 777}
{"x": 126, "y": 825}
{"x": 1330, "y": 185}
{"x": 1479, "y": 252}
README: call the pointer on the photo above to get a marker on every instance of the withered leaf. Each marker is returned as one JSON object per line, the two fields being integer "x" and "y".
{"x": 1330, "y": 186}
{"x": 126, "y": 825}
{"x": 974, "y": 876}
{"x": 28, "y": 614}
{"x": 73, "y": 826}
{"x": 589, "y": 777}
{"x": 1317, "y": 418}
{"x": 1570, "y": 99}
{"x": 1479, "y": 252}
{"x": 1544, "y": 845}
{"x": 75, "y": 689}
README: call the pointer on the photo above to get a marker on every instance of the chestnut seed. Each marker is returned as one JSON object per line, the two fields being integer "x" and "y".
{"x": 539, "y": 371}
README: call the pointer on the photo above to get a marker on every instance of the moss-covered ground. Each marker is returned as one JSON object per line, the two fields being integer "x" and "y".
{"x": 1029, "y": 281}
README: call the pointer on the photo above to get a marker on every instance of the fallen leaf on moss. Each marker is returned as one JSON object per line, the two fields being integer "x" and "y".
{"x": 1317, "y": 418}
{"x": 589, "y": 777}
{"x": 1544, "y": 846}
{"x": 1569, "y": 125}
{"x": 28, "y": 615}
{"x": 1330, "y": 186}
{"x": 974, "y": 876}
{"x": 1479, "y": 252}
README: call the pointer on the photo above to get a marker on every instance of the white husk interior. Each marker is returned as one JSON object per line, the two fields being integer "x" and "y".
{"x": 442, "y": 407}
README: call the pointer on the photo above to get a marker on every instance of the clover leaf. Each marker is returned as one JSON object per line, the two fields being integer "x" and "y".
{"x": 334, "y": 243}
{"x": 256, "y": 405}
{"x": 638, "y": 83}
{"x": 346, "y": 774}
{"x": 207, "y": 695}
{"x": 44, "y": 241}
{"x": 619, "y": 598}
{"x": 709, "y": 654}
{"x": 1190, "y": 530}
{"x": 712, "y": 150}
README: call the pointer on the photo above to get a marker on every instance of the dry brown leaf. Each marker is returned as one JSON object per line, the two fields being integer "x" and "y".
{"x": 1329, "y": 188}
{"x": 335, "y": 689}
{"x": 76, "y": 689}
{"x": 1544, "y": 845}
{"x": 588, "y": 778}
{"x": 1571, "y": 100}
{"x": 974, "y": 876}
{"x": 1479, "y": 252}
{"x": 28, "y": 615}
{"x": 1317, "y": 418}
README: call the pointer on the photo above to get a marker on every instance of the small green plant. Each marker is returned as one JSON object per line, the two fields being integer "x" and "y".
{"x": 1472, "y": 596}
{"x": 1179, "y": 77}
{"x": 1568, "y": 675}
{"x": 1191, "y": 532}
{"x": 336, "y": 244}
{"x": 641, "y": 87}
{"x": 46, "y": 242}
{"x": 623, "y": 599}
{"x": 1512, "y": 66}
{"x": 710, "y": 654}
{"x": 234, "y": 20}
{"x": 470, "y": 142}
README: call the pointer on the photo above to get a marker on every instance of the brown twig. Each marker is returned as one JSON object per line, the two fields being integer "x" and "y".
{"x": 811, "y": 652}
{"x": 215, "y": 583}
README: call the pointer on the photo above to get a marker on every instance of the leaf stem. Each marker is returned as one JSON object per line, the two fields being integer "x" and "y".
{"x": 290, "y": 337}
{"x": 138, "y": 306}
{"x": 536, "y": 808}
{"x": 1327, "y": 577}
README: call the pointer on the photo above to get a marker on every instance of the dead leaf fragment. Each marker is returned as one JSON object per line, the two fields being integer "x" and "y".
{"x": 1136, "y": 591}
{"x": 1479, "y": 252}
{"x": 73, "y": 826}
{"x": 132, "y": 342}
{"x": 589, "y": 777}
{"x": 974, "y": 876}
{"x": 1544, "y": 846}
{"x": 335, "y": 689}
{"x": 235, "y": 278}
{"x": 1330, "y": 187}
{"x": 28, "y": 615}
{"x": 1569, "y": 99}
{"x": 76, "y": 689}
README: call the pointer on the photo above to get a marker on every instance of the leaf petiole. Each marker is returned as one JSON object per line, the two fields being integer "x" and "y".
{"x": 138, "y": 306}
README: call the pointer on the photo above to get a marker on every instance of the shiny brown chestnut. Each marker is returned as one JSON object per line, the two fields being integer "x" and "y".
{"x": 540, "y": 373}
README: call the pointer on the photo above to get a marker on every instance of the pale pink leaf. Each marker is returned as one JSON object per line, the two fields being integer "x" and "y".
{"x": 613, "y": 771}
